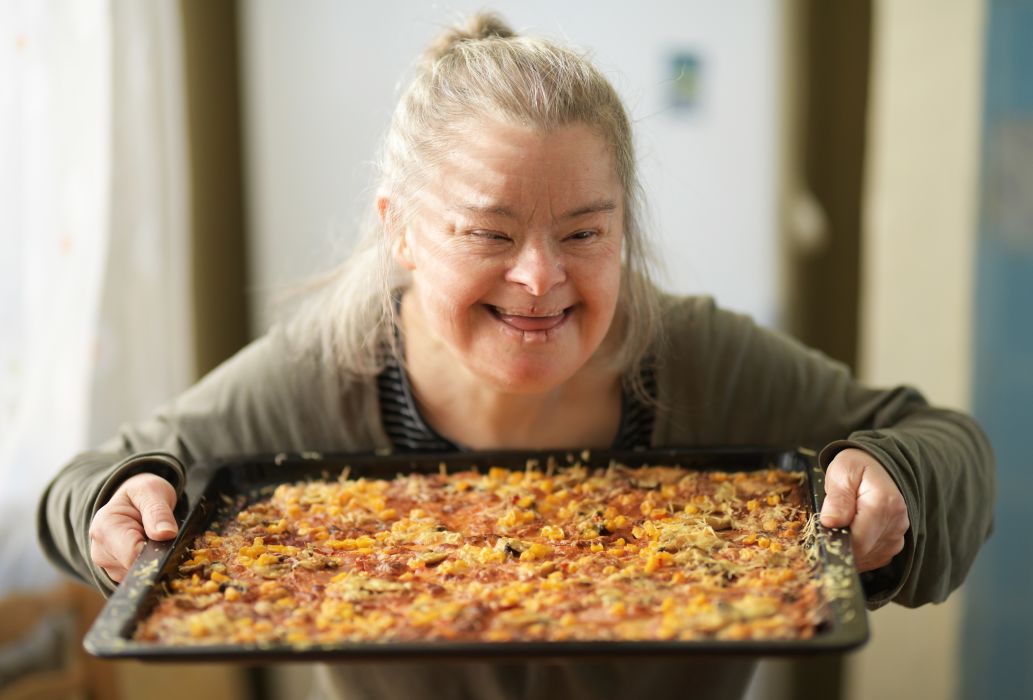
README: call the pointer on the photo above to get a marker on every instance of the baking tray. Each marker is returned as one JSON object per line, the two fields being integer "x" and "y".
{"x": 111, "y": 634}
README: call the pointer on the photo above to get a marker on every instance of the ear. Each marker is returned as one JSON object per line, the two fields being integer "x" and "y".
{"x": 402, "y": 251}
{"x": 400, "y": 240}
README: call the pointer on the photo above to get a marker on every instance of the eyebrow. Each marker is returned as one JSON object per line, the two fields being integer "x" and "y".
{"x": 603, "y": 205}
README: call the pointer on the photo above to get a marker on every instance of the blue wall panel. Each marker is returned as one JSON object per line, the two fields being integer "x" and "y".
{"x": 997, "y": 649}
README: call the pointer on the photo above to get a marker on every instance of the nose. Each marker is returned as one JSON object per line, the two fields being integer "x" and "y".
{"x": 537, "y": 267}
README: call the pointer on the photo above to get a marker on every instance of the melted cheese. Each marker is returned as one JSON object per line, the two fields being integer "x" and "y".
{"x": 652, "y": 553}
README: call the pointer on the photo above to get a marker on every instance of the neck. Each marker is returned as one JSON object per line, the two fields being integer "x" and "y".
{"x": 582, "y": 412}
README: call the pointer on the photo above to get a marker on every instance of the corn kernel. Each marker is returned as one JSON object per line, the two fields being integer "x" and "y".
{"x": 278, "y": 527}
{"x": 773, "y": 499}
{"x": 535, "y": 551}
{"x": 266, "y": 560}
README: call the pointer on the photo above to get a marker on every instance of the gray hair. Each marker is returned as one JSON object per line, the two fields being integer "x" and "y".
{"x": 481, "y": 69}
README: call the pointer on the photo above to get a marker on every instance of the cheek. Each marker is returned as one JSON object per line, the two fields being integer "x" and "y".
{"x": 600, "y": 283}
{"x": 450, "y": 290}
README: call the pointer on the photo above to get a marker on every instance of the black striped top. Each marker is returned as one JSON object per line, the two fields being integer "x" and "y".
{"x": 408, "y": 431}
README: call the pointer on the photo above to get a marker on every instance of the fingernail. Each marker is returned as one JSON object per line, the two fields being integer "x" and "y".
{"x": 166, "y": 527}
{"x": 139, "y": 548}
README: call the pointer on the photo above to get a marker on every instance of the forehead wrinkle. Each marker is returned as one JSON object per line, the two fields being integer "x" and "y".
{"x": 494, "y": 176}
{"x": 494, "y": 209}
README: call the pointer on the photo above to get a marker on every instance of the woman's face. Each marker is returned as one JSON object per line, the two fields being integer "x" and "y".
{"x": 515, "y": 253}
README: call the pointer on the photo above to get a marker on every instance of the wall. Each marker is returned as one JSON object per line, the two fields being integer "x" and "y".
{"x": 319, "y": 86}
{"x": 917, "y": 276}
{"x": 999, "y": 612}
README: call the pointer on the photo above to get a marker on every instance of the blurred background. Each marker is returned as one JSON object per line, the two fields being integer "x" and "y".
{"x": 858, "y": 174}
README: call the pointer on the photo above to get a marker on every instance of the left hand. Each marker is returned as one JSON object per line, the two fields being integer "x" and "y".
{"x": 860, "y": 494}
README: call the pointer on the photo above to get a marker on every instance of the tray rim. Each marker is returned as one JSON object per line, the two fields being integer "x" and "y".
{"x": 110, "y": 634}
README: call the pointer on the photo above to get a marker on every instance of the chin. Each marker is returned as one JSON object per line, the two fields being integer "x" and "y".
{"x": 527, "y": 378}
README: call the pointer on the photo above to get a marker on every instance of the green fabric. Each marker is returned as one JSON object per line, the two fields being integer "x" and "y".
{"x": 722, "y": 381}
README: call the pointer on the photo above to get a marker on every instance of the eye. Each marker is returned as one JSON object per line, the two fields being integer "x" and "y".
{"x": 585, "y": 235}
{"x": 493, "y": 236}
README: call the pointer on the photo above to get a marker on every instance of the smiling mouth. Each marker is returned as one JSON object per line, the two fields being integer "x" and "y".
{"x": 530, "y": 323}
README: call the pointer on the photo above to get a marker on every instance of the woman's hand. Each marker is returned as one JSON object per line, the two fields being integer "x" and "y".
{"x": 860, "y": 494}
{"x": 140, "y": 508}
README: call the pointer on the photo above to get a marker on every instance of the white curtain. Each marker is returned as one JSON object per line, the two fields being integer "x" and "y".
{"x": 95, "y": 323}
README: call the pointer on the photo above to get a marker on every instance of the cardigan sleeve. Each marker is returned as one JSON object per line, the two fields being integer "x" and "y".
{"x": 267, "y": 398}
{"x": 734, "y": 382}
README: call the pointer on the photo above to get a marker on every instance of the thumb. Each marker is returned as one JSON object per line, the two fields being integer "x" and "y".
{"x": 842, "y": 480}
{"x": 154, "y": 498}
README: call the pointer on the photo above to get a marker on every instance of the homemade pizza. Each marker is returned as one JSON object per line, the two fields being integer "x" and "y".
{"x": 651, "y": 553}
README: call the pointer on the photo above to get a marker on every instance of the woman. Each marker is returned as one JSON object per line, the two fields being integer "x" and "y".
{"x": 501, "y": 299}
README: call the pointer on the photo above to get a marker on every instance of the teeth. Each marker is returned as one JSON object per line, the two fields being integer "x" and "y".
{"x": 507, "y": 312}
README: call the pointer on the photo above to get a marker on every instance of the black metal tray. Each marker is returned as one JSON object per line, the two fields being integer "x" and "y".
{"x": 112, "y": 632}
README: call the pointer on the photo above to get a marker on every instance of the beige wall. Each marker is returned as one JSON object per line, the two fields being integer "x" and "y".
{"x": 917, "y": 275}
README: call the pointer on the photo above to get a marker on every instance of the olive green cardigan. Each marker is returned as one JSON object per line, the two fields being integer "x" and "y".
{"x": 722, "y": 380}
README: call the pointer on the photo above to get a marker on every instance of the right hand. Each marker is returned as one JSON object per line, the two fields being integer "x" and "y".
{"x": 141, "y": 507}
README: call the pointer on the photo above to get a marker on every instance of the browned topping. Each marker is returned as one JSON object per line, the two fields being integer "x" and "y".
{"x": 615, "y": 554}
